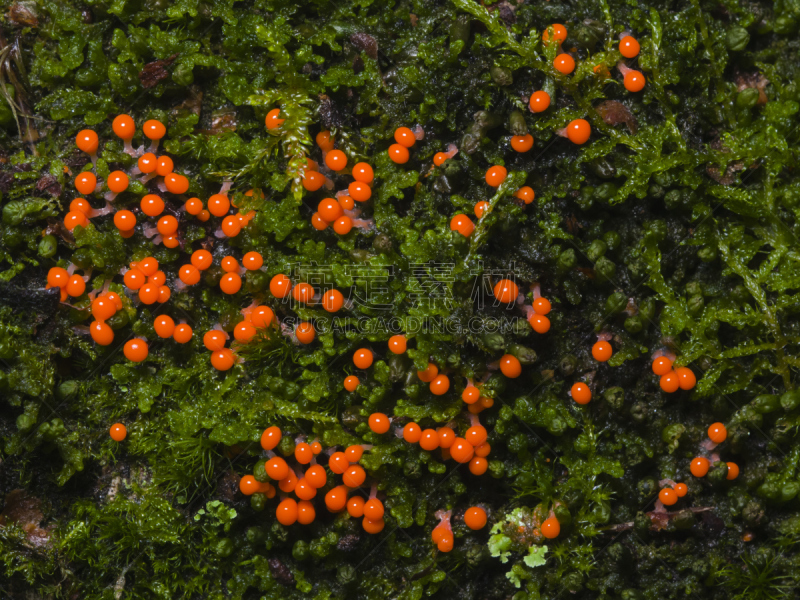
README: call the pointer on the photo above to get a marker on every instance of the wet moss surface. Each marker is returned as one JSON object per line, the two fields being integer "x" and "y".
{"x": 674, "y": 228}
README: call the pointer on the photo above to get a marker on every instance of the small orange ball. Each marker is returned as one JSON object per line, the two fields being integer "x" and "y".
{"x": 439, "y": 158}
{"x": 476, "y": 435}
{"x": 189, "y": 274}
{"x": 462, "y": 224}
{"x": 330, "y": 209}
{"x": 304, "y": 490}
{"x": 397, "y": 344}
{"x": 462, "y": 451}
{"x": 219, "y": 205}
{"x": 194, "y": 206}
{"x": 354, "y": 476}
{"x": 539, "y": 102}
{"x": 363, "y": 358}
{"x": 717, "y": 433}
{"x": 154, "y": 130}
{"x": 346, "y": 202}
{"x": 343, "y": 225}
{"x": 363, "y": 172}
{"x": 303, "y": 293}
{"x": 288, "y": 483}
{"x": 359, "y": 191}
{"x": 280, "y": 286}
{"x": 231, "y": 226}
{"x": 167, "y": 225}
{"x": 273, "y": 120}
{"x": 305, "y": 333}
{"x": 483, "y": 450}
{"x": 542, "y": 306}
{"x": 478, "y": 465}
{"x": 324, "y": 141}
{"x": 559, "y": 33}
{"x": 581, "y": 393}
{"x": 379, "y": 423}
{"x": 286, "y": 512}
{"x": 634, "y": 81}
{"x": 336, "y": 499}
{"x": 355, "y": 507}
{"x": 85, "y": 182}
{"x": 429, "y": 440}
{"x": 87, "y": 141}
{"x": 471, "y": 394}
{"x": 222, "y": 360}
{"x": 118, "y": 432}
{"x": 74, "y": 218}
{"x": 312, "y": 181}
{"x": 526, "y": 194}
{"x": 667, "y": 496}
{"x": 332, "y": 301}
{"x": 629, "y": 47}
{"x": 214, "y": 340}
{"x": 147, "y": 162}
{"x": 475, "y": 518}
{"x": 447, "y": 437}
{"x": 405, "y": 137}
{"x": 496, "y": 175}
{"x": 102, "y": 307}
{"x": 101, "y": 333}
{"x": 699, "y": 466}
{"x": 336, "y": 160}
{"x": 373, "y": 509}
{"x": 351, "y": 383}
{"x": 124, "y": 220}
{"x": 134, "y": 279}
{"x": 564, "y": 64}
{"x": 164, "y": 165}
{"x": 262, "y": 317}
{"x": 202, "y": 259}
{"x": 733, "y": 471}
{"x": 412, "y": 433}
{"x": 176, "y": 184}
{"x": 148, "y": 294}
{"x": 480, "y": 209}
{"x": 117, "y": 181}
{"x": 248, "y": 485}
{"x": 230, "y": 283}
{"x": 522, "y": 143}
{"x": 136, "y": 350}
{"x": 57, "y": 277}
{"x": 551, "y": 528}
{"x": 271, "y": 437}
{"x": 354, "y": 453}
{"x": 429, "y": 374}
{"x": 669, "y": 382}
{"x": 164, "y": 326}
{"x": 398, "y": 153}
{"x": 276, "y": 468}
{"x": 601, "y": 351}
{"x": 662, "y": 365}
{"x": 506, "y": 291}
{"x": 183, "y": 333}
{"x": 76, "y": 286}
{"x": 123, "y": 127}
{"x": 244, "y": 332}
{"x": 318, "y": 223}
{"x": 338, "y": 463}
{"x": 510, "y": 366}
{"x": 681, "y": 490}
{"x": 440, "y": 385}
{"x": 686, "y": 378}
{"x": 578, "y": 131}
{"x": 152, "y": 205}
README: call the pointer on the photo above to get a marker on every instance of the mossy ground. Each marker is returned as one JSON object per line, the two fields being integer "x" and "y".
{"x": 685, "y": 200}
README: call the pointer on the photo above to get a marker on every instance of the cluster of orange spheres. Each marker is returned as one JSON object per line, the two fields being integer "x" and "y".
{"x": 672, "y": 380}
{"x": 472, "y": 448}
{"x": 231, "y": 282}
{"x": 700, "y": 465}
{"x": 69, "y": 285}
{"x": 669, "y": 495}
{"x": 442, "y": 535}
{"x": 404, "y": 139}
{"x": 222, "y": 358}
{"x": 218, "y": 205}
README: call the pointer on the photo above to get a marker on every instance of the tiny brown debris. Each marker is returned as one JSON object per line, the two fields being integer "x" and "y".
{"x": 729, "y": 176}
{"x": 223, "y": 120}
{"x": 614, "y": 112}
{"x": 23, "y": 14}
{"x": 26, "y": 511}
{"x": 366, "y": 43}
{"x": 155, "y": 72}
{"x": 281, "y": 572}
{"x": 753, "y": 80}
{"x": 49, "y": 184}
{"x": 414, "y": 19}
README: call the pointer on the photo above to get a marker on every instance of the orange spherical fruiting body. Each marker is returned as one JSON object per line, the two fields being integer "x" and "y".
{"x": 85, "y": 182}
{"x": 471, "y": 394}
{"x": 332, "y": 301}
{"x": 280, "y": 286}
{"x": 136, "y": 350}
{"x": 559, "y": 33}
{"x": 510, "y": 366}
{"x": 230, "y": 283}
{"x": 262, "y": 317}
{"x": 346, "y": 202}
{"x": 87, "y": 141}
{"x": 429, "y": 374}
{"x": 271, "y": 437}
{"x": 75, "y": 286}
{"x": 629, "y": 47}
{"x": 324, "y": 141}
{"x": 147, "y": 162}
{"x": 118, "y": 432}
{"x": 252, "y": 261}
{"x": 288, "y": 483}
{"x": 276, "y": 468}
{"x": 681, "y": 490}
{"x": 148, "y": 294}
{"x": 667, "y": 496}
{"x": 506, "y": 291}
{"x": 362, "y": 358}
{"x": 412, "y": 433}
{"x": 304, "y": 490}
{"x": 439, "y": 158}
{"x": 167, "y": 225}
{"x": 355, "y": 507}
{"x": 202, "y": 259}
{"x": 526, "y": 194}
{"x": 303, "y": 293}
{"x": 446, "y": 437}
{"x": 476, "y": 435}
{"x": 164, "y": 326}
{"x": 542, "y": 306}
{"x": 124, "y": 220}
{"x": 581, "y": 393}
{"x": 222, "y": 360}
{"x": 429, "y": 440}
{"x": 398, "y": 153}
{"x": 478, "y": 465}
{"x": 286, "y": 512}
{"x": 539, "y": 102}
{"x": 154, "y": 130}
{"x": 481, "y": 208}
{"x": 189, "y": 274}
{"x": 176, "y": 184}
{"x": 313, "y": 180}
{"x": 699, "y": 466}
{"x": 462, "y": 451}
{"x": 359, "y": 191}
{"x": 219, "y": 205}
{"x": 354, "y": 476}
{"x": 373, "y": 509}
{"x": 74, "y": 218}
{"x": 336, "y": 160}
{"x": 338, "y": 463}
{"x": 164, "y": 166}
{"x": 483, "y": 450}
{"x": 244, "y": 332}
{"x": 248, "y": 485}
{"x": 148, "y": 266}
{"x": 134, "y": 279}
{"x": 686, "y": 378}
{"x": 57, "y": 277}
{"x": 733, "y": 471}
{"x": 551, "y": 528}
{"x": 123, "y": 127}
{"x": 103, "y": 308}
{"x": 164, "y": 294}
{"x": 564, "y": 64}
{"x": 496, "y": 175}
{"x": 336, "y": 498}
{"x": 354, "y": 453}
{"x": 662, "y": 365}
{"x": 329, "y": 209}
{"x": 183, "y": 333}
{"x": 440, "y": 385}
{"x": 475, "y": 518}
{"x": 273, "y": 120}
{"x": 305, "y": 332}
{"x": 669, "y": 382}
{"x": 578, "y": 131}
{"x": 363, "y": 172}
{"x": 601, "y": 351}
{"x": 522, "y": 143}
{"x": 101, "y": 333}
{"x": 343, "y": 225}
{"x": 398, "y": 344}
{"x": 194, "y": 206}
{"x": 405, "y": 137}
{"x": 634, "y": 81}
{"x": 717, "y": 433}
{"x": 379, "y": 423}
{"x": 231, "y": 226}
{"x": 462, "y": 224}
{"x": 351, "y": 383}
{"x": 117, "y": 181}
{"x": 303, "y": 453}
{"x": 152, "y": 205}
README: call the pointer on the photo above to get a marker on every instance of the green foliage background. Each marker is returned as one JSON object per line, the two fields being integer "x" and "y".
{"x": 685, "y": 200}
